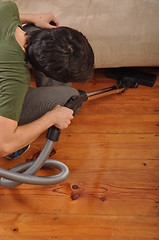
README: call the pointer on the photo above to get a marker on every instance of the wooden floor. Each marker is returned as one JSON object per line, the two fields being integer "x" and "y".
{"x": 112, "y": 192}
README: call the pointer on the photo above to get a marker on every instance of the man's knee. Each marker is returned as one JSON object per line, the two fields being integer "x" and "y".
{"x": 43, "y": 99}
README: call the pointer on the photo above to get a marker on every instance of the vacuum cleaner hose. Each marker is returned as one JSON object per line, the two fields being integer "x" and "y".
{"x": 14, "y": 177}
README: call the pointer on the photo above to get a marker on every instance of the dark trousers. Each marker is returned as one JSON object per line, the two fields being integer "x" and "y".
{"x": 44, "y": 98}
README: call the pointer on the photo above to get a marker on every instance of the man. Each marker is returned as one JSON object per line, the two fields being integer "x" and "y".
{"x": 60, "y": 53}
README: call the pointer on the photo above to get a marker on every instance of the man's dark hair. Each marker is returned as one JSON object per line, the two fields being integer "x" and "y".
{"x": 62, "y": 53}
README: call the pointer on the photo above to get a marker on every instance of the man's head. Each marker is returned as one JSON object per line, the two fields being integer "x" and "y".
{"x": 62, "y": 53}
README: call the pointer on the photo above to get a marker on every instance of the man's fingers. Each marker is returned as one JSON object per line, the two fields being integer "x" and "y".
{"x": 54, "y": 22}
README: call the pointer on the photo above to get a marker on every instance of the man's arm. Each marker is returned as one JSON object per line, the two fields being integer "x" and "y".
{"x": 41, "y": 20}
{"x": 14, "y": 137}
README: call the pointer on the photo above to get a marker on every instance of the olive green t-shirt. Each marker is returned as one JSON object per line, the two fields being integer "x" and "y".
{"x": 14, "y": 73}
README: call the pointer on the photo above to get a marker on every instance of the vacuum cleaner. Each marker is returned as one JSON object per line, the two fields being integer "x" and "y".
{"x": 25, "y": 173}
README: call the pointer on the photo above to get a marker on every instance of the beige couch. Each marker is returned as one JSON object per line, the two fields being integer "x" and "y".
{"x": 122, "y": 32}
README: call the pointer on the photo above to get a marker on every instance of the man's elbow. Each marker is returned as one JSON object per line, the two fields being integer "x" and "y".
{"x": 7, "y": 130}
{"x": 4, "y": 150}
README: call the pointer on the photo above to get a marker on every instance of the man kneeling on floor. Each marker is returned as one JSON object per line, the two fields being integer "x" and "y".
{"x": 59, "y": 53}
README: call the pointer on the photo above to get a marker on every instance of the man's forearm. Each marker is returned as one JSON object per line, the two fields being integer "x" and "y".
{"x": 27, "y": 133}
{"x": 14, "y": 137}
{"x": 27, "y": 18}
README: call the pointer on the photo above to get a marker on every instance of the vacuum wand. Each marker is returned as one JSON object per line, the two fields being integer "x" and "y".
{"x": 106, "y": 91}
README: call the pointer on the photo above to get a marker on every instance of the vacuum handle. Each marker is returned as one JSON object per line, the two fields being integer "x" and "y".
{"x": 74, "y": 103}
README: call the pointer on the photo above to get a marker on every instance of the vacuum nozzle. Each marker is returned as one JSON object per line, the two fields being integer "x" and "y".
{"x": 132, "y": 78}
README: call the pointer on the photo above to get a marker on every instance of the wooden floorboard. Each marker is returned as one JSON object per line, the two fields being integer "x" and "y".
{"x": 112, "y": 192}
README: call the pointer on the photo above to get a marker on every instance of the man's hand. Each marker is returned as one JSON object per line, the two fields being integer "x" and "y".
{"x": 41, "y": 20}
{"x": 62, "y": 116}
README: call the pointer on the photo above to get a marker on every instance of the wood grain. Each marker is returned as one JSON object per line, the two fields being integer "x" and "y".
{"x": 112, "y": 192}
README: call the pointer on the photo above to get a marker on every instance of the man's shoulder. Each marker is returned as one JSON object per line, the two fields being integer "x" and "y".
{"x": 8, "y": 11}
{"x": 6, "y": 4}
